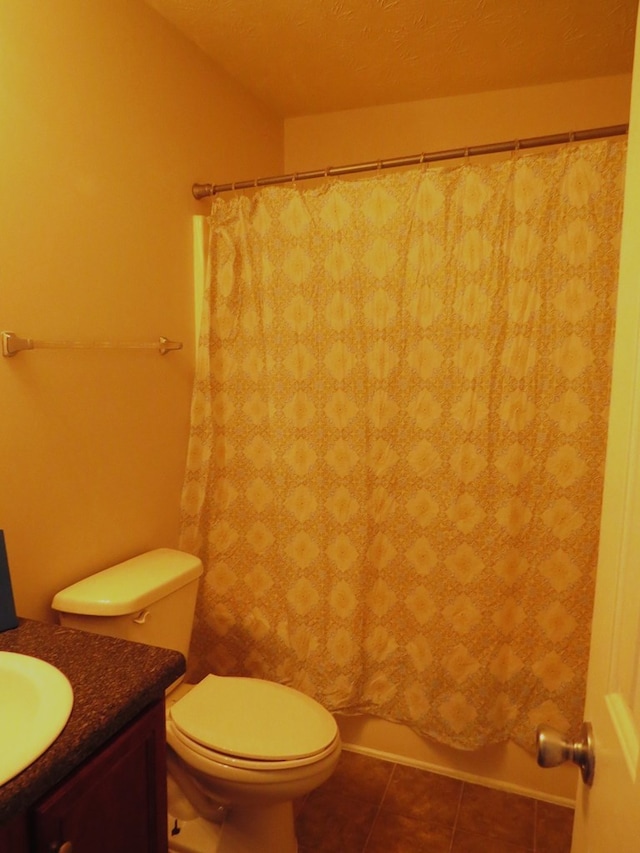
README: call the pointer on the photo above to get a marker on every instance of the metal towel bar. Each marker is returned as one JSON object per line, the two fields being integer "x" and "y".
{"x": 12, "y": 344}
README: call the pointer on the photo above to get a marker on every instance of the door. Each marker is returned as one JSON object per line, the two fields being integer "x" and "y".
{"x": 608, "y": 813}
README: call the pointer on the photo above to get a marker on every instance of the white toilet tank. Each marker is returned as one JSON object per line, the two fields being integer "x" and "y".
{"x": 148, "y": 599}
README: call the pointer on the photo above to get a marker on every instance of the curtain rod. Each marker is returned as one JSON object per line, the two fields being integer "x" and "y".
{"x": 201, "y": 191}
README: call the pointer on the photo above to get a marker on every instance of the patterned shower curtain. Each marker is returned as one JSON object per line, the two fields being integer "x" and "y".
{"x": 398, "y": 431}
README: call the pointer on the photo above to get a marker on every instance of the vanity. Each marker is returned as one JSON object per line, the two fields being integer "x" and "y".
{"x": 101, "y": 785}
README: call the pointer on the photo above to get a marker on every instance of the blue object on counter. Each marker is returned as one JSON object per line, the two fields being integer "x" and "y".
{"x": 8, "y": 618}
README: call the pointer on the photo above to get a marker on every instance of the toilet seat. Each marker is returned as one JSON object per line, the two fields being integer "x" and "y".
{"x": 186, "y": 747}
{"x": 246, "y": 722}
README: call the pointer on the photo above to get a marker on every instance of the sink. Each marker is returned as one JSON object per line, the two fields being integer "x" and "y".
{"x": 35, "y": 704}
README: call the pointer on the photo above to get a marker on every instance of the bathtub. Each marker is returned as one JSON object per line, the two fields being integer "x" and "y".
{"x": 505, "y": 766}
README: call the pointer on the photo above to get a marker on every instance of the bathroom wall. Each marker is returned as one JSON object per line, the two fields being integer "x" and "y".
{"x": 108, "y": 115}
{"x": 372, "y": 134}
{"x": 395, "y": 130}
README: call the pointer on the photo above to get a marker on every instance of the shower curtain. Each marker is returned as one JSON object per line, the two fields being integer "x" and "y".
{"x": 398, "y": 431}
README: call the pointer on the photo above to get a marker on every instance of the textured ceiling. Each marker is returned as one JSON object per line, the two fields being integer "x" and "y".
{"x": 310, "y": 56}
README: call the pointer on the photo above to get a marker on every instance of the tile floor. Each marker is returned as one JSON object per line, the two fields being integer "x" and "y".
{"x": 374, "y": 806}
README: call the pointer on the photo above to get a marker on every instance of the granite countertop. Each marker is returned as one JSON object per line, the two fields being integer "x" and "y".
{"x": 112, "y": 679}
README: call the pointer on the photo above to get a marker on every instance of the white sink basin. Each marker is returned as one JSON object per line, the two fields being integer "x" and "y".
{"x": 35, "y": 703}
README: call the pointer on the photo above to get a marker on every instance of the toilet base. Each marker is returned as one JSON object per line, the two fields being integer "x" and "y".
{"x": 268, "y": 829}
{"x": 194, "y": 836}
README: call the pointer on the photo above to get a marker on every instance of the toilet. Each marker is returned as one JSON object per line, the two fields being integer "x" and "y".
{"x": 240, "y": 750}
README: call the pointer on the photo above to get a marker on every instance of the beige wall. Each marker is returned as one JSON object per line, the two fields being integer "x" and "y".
{"x": 355, "y": 136}
{"x": 107, "y": 117}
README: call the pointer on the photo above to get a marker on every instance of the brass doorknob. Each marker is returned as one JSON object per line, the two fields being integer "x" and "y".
{"x": 554, "y": 749}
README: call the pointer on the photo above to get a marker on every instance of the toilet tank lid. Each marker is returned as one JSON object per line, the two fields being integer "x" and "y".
{"x": 129, "y": 586}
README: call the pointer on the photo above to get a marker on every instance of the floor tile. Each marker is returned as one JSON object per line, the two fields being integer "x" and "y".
{"x": 329, "y": 823}
{"x": 470, "y": 842}
{"x": 374, "y": 806}
{"x": 360, "y": 776}
{"x": 497, "y": 814}
{"x": 554, "y": 826}
{"x": 423, "y": 796}
{"x": 394, "y": 833}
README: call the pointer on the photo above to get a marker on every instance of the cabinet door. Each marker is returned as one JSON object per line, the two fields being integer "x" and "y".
{"x": 13, "y": 836}
{"x": 116, "y": 802}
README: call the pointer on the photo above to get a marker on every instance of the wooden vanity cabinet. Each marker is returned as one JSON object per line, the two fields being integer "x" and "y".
{"x": 114, "y": 803}
{"x": 13, "y": 836}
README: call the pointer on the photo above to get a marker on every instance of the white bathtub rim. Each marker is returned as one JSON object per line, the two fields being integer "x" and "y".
{"x": 497, "y": 784}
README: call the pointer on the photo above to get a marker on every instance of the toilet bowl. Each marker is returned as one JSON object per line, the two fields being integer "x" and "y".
{"x": 241, "y": 762}
{"x": 240, "y": 750}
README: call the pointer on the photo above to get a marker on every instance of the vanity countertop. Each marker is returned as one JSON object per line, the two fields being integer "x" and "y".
{"x": 112, "y": 679}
